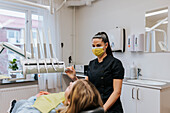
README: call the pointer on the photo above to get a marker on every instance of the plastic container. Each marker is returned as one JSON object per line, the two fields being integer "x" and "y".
{"x": 133, "y": 72}
{"x": 131, "y": 42}
{"x": 139, "y": 42}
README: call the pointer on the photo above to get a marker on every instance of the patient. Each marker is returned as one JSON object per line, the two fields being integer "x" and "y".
{"x": 80, "y": 95}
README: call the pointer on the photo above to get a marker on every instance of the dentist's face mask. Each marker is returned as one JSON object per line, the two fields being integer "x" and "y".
{"x": 98, "y": 47}
{"x": 98, "y": 51}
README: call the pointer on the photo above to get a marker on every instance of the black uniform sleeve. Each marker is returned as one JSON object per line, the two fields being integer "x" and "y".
{"x": 118, "y": 70}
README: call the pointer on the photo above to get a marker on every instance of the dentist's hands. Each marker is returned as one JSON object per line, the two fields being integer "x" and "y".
{"x": 104, "y": 109}
{"x": 70, "y": 71}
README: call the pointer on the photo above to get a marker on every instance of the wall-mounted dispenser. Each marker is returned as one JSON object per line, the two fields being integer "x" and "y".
{"x": 117, "y": 39}
{"x": 139, "y": 42}
{"x": 136, "y": 42}
{"x": 131, "y": 39}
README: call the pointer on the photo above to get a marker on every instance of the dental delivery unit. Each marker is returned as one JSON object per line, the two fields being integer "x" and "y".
{"x": 39, "y": 64}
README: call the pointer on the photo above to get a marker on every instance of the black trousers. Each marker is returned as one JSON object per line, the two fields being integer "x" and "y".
{"x": 115, "y": 109}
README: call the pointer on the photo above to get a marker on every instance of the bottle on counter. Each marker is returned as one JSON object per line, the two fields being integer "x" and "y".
{"x": 133, "y": 72}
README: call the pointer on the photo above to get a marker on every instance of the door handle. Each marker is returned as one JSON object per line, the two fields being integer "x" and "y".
{"x": 138, "y": 94}
{"x": 132, "y": 93}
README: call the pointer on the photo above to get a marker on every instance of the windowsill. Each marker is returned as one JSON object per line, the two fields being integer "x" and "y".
{"x": 17, "y": 83}
{"x": 20, "y": 44}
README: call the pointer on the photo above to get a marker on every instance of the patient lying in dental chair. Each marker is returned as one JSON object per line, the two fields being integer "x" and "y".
{"x": 43, "y": 102}
{"x": 80, "y": 95}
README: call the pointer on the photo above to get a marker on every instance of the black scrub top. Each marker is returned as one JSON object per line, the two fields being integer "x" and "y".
{"x": 102, "y": 75}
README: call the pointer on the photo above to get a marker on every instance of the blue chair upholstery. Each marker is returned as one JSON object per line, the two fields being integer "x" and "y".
{"x": 97, "y": 110}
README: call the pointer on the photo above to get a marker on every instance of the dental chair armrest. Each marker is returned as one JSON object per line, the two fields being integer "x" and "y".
{"x": 97, "y": 110}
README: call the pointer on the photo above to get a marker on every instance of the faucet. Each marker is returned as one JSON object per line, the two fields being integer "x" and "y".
{"x": 138, "y": 73}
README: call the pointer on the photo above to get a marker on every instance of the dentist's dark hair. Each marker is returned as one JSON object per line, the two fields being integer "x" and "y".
{"x": 105, "y": 39}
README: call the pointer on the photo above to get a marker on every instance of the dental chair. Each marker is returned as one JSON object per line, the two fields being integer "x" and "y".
{"x": 97, "y": 110}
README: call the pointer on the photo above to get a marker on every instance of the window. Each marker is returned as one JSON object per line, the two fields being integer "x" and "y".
{"x": 11, "y": 34}
{"x": 13, "y": 22}
{"x": 36, "y": 23}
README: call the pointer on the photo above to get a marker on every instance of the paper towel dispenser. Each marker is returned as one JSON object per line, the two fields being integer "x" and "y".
{"x": 117, "y": 39}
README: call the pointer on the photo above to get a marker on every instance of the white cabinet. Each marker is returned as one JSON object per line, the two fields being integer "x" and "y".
{"x": 128, "y": 100}
{"x": 137, "y": 99}
{"x": 148, "y": 100}
{"x": 15, "y": 93}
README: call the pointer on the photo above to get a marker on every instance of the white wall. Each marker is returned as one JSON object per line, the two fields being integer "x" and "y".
{"x": 64, "y": 25}
{"x": 107, "y": 14}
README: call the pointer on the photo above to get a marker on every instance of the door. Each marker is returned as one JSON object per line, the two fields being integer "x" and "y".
{"x": 148, "y": 100}
{"x": 128, "y": 98}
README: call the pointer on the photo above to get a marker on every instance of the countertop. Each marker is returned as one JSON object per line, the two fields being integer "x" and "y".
{"x": 79, "y": 75}
{"x": 17, "y": 83}
{"x": 160, "y": 87}
{"x": 7, "y": 84}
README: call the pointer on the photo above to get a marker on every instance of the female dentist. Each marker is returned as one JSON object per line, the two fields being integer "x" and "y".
{"x": 105, "y": 72}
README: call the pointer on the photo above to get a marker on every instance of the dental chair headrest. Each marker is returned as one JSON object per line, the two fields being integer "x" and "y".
{"x": 97, "y": 110}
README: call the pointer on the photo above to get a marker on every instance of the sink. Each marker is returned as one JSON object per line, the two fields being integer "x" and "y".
{"x": 147, "y": 82}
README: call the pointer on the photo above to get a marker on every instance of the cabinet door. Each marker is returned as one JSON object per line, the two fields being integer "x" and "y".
{"x": 15, "y": 93}
{"x": 128, "y": 98}
{"x": 148, "y": 100}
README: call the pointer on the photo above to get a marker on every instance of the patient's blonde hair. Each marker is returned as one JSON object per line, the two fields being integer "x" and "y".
{"x": 83, "y": 96}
